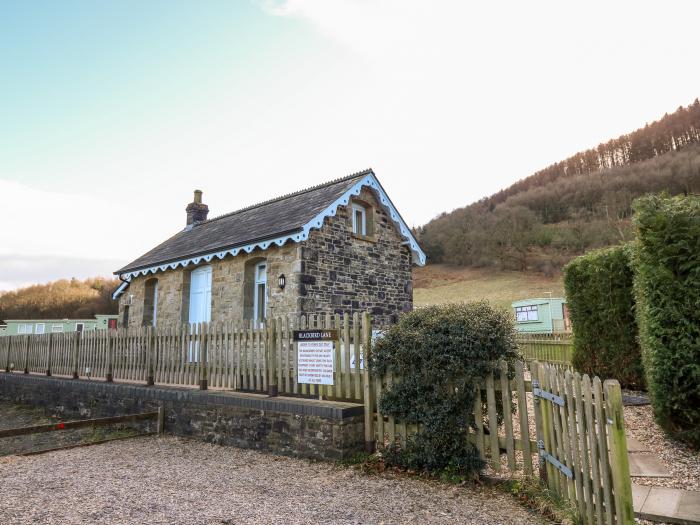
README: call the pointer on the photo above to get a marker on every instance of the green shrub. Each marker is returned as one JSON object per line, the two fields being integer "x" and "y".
{"x": 600, "y": 299}
{"x": 441, "y": 353}
{"x": 667, "y": 287}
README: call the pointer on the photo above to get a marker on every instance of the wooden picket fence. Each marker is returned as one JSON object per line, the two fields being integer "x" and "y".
{"x": 554, "y": 348}
{"x": 578, "y": 446}
{"x": 242, "y": 356}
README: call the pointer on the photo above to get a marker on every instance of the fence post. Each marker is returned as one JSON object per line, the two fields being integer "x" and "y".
{"x": 369, "y": 405}
{"x": 110, "y": 356}
{"x": 272, "y": 386}
{"x": 9, "y": 351}
{"x": 619, "y": 460}
{"x": 48, "y": 355}
{"x": 203, "y": 383}
{"x": 150, "y": 379}
{"x": 74, "y": 364}
{"x": 26, "y": 354}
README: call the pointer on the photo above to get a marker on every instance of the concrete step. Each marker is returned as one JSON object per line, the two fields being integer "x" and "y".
{"x": 666, "y": 505}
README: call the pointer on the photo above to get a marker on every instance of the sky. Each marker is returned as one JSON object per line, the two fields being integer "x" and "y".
{"x": 113, "y": 112}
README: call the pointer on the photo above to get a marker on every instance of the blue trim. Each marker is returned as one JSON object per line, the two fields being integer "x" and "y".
{"x": 119, "y": 290}
{"x": 316, "y": 223}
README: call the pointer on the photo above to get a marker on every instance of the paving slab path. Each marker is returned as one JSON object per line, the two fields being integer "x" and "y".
{"x": 666, "y": 505}
{"x": 661, "y": 504}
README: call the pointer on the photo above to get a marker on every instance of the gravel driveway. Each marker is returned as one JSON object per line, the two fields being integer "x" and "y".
{"x": 176, "y": 481}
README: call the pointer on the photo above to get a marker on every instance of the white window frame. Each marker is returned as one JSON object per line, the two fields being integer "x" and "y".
{"x": 359, "y": 229}
{"x": 43, "y": 328}
{"x": 56, "y": 328}
{"x": 82, "y": 325}
{"x": 260, "y": 278}
{"x": 21, "y": 329}
{"x": 527, "y": 314}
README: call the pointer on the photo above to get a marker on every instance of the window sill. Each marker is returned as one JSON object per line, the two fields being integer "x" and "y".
{"x": 368, "y": 238}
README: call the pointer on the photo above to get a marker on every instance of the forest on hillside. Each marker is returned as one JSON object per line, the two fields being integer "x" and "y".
{"x": 577, "y": 204}
{"x": 63, "y": 299}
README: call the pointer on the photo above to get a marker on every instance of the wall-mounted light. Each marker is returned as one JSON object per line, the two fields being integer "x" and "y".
{"x": 282, "y": 281}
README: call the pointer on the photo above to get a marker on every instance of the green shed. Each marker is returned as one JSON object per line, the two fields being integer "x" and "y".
{"x": 541, "y": 315}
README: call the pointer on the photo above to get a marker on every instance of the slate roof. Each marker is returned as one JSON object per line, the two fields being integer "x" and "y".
{"x": 273, "y": 218}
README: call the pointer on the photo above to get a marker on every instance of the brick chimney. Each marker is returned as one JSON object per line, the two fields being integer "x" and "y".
{"x": 196, "y": 211}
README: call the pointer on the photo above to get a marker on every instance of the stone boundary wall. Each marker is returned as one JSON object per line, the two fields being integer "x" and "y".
{"x": 289, "y": 426}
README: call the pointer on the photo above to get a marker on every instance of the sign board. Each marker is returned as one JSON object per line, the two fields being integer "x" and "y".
{"x": 315, "y": 355}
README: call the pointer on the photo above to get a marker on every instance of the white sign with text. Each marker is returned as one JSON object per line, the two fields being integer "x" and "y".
{"x": 315, "y": 359}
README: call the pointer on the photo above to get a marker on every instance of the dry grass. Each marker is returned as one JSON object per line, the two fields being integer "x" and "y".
{"x": 440, "y": 283}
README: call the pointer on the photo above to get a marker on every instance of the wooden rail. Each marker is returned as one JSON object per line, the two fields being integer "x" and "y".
{"x": 67, "y": 425}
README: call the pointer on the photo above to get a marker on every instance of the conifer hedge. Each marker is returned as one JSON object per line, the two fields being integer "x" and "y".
{"x": 667, "y": 287}
{"x": 438, "y": 355}
{"x": 600, "y": 299}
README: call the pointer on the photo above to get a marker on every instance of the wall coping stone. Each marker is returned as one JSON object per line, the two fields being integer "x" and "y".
{"x": 290, "y": 405}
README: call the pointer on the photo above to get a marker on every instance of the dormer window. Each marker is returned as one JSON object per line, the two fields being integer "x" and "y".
{"x": 359, "y": 219}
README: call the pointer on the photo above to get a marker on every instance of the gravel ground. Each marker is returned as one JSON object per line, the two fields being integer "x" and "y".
{"x": 173, "y": 480}
{"x": 681, "y": 460}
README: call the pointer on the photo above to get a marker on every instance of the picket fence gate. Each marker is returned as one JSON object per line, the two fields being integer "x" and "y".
{"x": 564, "y": 427}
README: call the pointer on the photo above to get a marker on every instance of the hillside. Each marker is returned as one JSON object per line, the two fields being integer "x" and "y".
{"x": 583, "y": 202}
{"x": 61, "y": 299}
{"x": 441, "y": 283}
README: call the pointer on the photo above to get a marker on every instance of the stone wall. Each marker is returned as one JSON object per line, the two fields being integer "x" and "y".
{"x": 288, "y": 426}
{"x": 344, "y": 273}
{"x": 229, "y": 291}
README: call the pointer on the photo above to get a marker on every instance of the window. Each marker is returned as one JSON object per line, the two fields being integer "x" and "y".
{"x": 57, "y": 328}
{"x": 40, "y": 328}
{"x": 24, "y": 328}
{"x": 359, "y": 219}
{"x": 260, "y": 292}
{"x": 524, "y": 314}
{"x": 150, "y": 303}
{"x": 79, "y": 327}
{"x": 125, "y": 317}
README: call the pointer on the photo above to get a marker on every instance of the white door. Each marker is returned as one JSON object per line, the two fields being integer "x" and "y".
{"x": 200, "y": 295}
{"x": 260, "y": 292}
{"x": 200, "y": 302}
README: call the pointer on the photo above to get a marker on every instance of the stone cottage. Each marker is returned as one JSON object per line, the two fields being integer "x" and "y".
{"x": 338, "y": 247}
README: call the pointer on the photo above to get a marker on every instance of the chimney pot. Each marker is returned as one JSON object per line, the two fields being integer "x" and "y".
{"x": 198, "y": 196}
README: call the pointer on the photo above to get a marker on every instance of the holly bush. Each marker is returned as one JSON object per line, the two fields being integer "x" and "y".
{"x": 438, "y": 355}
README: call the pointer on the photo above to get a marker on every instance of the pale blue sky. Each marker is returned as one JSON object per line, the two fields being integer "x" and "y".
{"x": 112, "y": 112}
